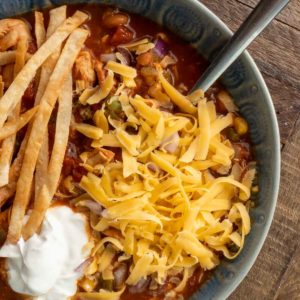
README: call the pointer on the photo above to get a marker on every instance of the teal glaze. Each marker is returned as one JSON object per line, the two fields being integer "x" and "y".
{"x": 195, "y": 23}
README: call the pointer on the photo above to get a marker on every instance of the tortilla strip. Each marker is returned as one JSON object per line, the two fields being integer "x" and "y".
{"x": 8, "y": 144}
{"x": 48, "y": 101}
{"x": 42, "y": 202}
{"x": 12, "y": 127}
{"x": 8, "y": 191}
{"x": 40, "y": 31}
{"x": 20, "y": 56}
{"x": 57, "y": 17}
{"x": 16, "y": 90}
{"x": 9, "y": 57}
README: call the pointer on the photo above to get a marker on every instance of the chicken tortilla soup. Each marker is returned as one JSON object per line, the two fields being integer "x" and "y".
{"x": 116, "y": 182}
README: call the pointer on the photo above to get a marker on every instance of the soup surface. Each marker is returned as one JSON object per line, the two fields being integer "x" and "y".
{"x": 130, "y": 91}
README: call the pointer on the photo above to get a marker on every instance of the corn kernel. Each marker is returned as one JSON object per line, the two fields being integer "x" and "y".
{"x": 87, "y": 284}
{"x": 240, "y": 126}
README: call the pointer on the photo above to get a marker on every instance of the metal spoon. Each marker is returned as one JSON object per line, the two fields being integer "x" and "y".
{"x": 258, "y": 20}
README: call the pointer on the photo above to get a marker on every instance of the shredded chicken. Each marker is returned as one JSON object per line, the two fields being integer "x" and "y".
{"x": 84, "y": 69}
{"x": 11, "y": 32}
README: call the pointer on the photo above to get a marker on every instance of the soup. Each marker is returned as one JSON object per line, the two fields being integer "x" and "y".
{"x": 116, "y": 182}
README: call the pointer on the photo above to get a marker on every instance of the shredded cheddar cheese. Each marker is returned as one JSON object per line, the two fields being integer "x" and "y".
{"x": 162, "y": 196}
{"x": 169, "y": 208}
{"x": 123, "y": 70}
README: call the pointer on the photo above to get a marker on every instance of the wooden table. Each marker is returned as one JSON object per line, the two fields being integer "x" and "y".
{"x": 276, "y": 273}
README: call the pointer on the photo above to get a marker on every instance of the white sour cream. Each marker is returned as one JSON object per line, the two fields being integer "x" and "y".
{"x": 44, "y": 266}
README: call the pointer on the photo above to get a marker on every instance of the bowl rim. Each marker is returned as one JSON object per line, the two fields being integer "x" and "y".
{"x": 277, "y": 153}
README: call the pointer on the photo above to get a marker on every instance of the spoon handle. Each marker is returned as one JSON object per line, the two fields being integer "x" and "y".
{"x": 260, "y": 18}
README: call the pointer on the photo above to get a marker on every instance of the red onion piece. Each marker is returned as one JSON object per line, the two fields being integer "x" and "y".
{"x": 108, "y": 57}
{"x": 94, "y": 206}
{"x": 161, "y": 49}
{"x": 81, "y": 268}
{"x": 120, "y": 275}
{"x": 141, "y": 286}
{"x": 153, "y": 167}
{"x": 128, "y": 57}
{"x": 171, "y": 143}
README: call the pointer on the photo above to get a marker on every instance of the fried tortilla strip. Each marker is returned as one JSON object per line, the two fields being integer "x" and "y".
{"x": 57, "y": 17}
{"x": 9, "y": 57}
{"x": 39, "y": 127}
{"x": 8, "y": 191}
{"x": 21, "y": 51}
{"x": 44, "y": 198}
{"x": 16, "y": 90}
{"x": 8, "y": 144}
{"x": 13, "y": 126}
{"x": 40, "y": 31}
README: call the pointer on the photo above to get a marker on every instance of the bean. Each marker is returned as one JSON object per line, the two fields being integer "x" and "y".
{"x": 145, "y": 59}
{"x": 115, "y": 20}
{"x": 122, "y": 35}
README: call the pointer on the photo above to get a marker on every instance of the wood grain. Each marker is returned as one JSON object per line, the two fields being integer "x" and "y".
{"x": 290, "y": 15}
{"x": 276, "y": 273}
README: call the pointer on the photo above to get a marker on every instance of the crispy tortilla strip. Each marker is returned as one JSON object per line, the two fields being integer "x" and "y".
{"x": 16, "y": 90}
{"x": 20, "y": 56}
{"x": 9, "y": 57}
{"x": 8, "y": 191}
{"x": 39, "y": 127}
{"x": 41, "y": 165}
{"x": 5, "y": 159}
{"x": 8, "y": 144}
{"x": 57, "y": 17}
{"x": 13, "y": 126}
{"x": 61, "y": 135}
{"x": 40, "y": 31}
{"x": 44, "y": 198}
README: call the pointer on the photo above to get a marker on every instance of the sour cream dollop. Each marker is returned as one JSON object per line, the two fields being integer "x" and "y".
{"x": 45, "y": 265}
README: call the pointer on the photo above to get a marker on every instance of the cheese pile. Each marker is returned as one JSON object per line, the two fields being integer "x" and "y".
{"x": 163, "y": 198}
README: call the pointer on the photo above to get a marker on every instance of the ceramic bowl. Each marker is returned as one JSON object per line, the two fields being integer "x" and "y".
{"x": 196, "y": 24}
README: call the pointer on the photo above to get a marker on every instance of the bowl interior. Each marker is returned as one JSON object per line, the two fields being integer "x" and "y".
{"x": 196, "y": 24}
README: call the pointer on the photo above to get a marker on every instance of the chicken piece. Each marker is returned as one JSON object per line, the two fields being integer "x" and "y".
{"x": 84, "y": 70}
{"x": 99, "y": 71}
{"x": 11, "y": 32}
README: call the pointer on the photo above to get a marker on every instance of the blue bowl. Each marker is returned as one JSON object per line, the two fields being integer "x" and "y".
{"x": 196, "y": 24}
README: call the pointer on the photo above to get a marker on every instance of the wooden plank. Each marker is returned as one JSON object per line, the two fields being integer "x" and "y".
{"x": 277, "y": 55}
{"x": 290, "y": 284}
{"x": 287, "y": 106}
{"x": 290, "y": 15}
